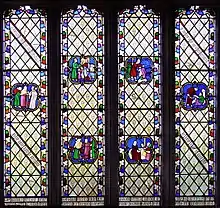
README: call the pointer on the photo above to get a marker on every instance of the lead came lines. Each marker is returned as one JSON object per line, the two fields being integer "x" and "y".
{"x": 27, "y": 47}
{"x": 191, "y": 42}
{"x": 204, "y": 159}
{"x": 24, "y": 156}
{"x": 31, "y": 157}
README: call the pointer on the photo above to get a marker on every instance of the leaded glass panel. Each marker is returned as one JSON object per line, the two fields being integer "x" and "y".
{"x": 139, "y": 106}
{"x": 82, "y": 35}
{"x": 195, "y": 104}
{"x": 25, "y": 106}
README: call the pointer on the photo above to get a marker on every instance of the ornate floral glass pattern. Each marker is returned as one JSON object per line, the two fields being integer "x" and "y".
{"x": 82, "y": 107}
{"x": 139, "y": 107}
{"x": 195, "y": 106}
{"x": 25, "y": 103}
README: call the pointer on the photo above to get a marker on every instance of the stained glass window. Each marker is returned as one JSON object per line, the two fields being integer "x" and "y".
{"x": 25, "y": 106}
{"x": 195, "y": 83}
{"x": 139, "y": 107}
{"x": 82, "y": 35}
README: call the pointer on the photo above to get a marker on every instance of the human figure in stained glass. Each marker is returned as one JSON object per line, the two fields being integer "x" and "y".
{"x": 190, "y": 96}
{"x": 17, "y": 99}
{"x": 140, "y": 150}
{"x": 87, "y": 149}
{"x": 134, "y": 69}
{"x": 138, "y": 70}
{"x": 135, "y": 152}
{"x": 82, "y": 149}
{"x": 80, "y": 74}
{"x": 24, "y": 94}
{"x": 91, "y": 72}
{"x": 77, "y": 149}
{"x": 202, "y": 97}
{"x": 33, "y": 98}
{"x": 75, "y": 67}
{"x": 83, "y": 69}
{"x": 194, "y": 96}
{"x": 129, "y": 66}
{"x": 93, "y": 149}
{"x": 143, "y": 72}
{"x": 25, "y": 97}
{"x": 83, "y": 65}
{"x": 146, "y": 152}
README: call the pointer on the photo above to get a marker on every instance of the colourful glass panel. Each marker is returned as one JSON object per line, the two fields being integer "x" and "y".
{"x": 25, "y": 107}
{"x": 139, "y": 107}
{"x": 195, "y": 107}
{"x": 82, "y": 107}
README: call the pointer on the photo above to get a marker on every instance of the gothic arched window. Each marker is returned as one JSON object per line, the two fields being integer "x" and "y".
{"x": 25, "y": 106}
{"x": 107, "y": 106}
{"x": 82, "y": 43}
{"x": 195, "y": 106}
{"x": 139, "y": 106}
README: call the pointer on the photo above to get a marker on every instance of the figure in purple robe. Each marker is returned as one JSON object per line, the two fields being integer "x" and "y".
{"x": 87, "y": 149}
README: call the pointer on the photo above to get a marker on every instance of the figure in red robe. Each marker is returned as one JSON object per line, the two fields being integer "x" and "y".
{"x": 189, "y": 98}
{"x": 136, "y": 154}
{"x": 134, "y": 69}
